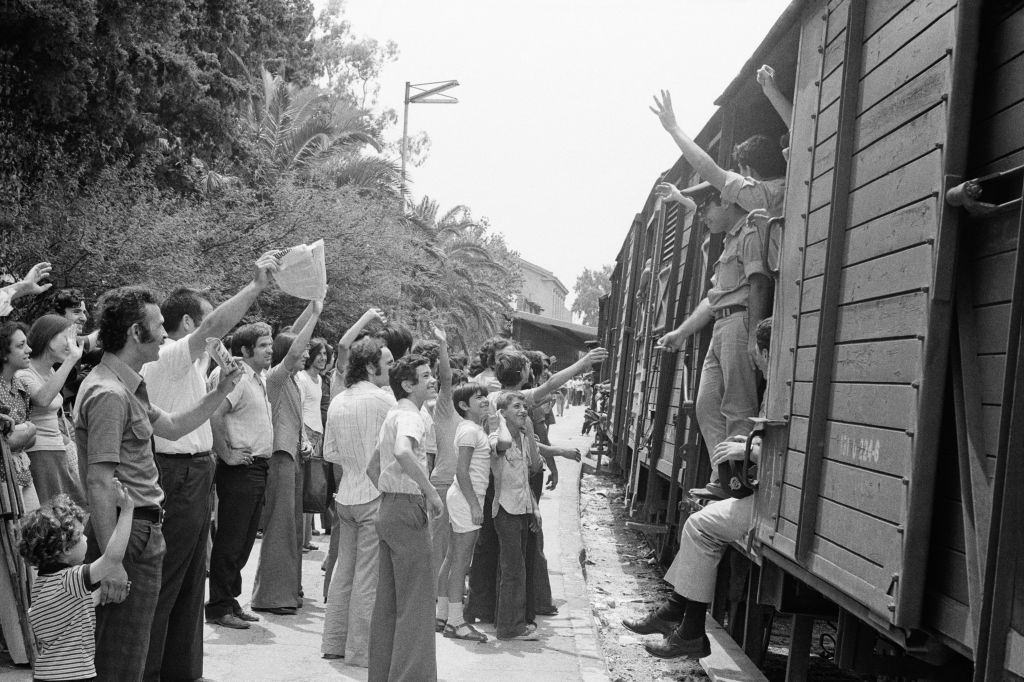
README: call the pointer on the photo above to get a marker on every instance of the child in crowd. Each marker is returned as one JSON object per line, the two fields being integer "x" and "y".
{"x": 465, "y": 503}
{"x": 63, "y": 613}
{"x": 515, "y": 516}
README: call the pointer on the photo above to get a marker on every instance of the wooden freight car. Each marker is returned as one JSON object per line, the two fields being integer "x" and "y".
{"x": 893, "y": 462}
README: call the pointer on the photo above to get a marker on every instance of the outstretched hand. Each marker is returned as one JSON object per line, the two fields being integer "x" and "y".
{"x": 373, "y": 314}
{"x": 31, "y": 283}
{"x": 596, "y": 356}
{"x": 766, "y": 78}
{"x": 75, "y": 349}
{"x": 440, "y": 334}
{"x": 669, "y": 342}
{"x": 266, "y": 265}
{"x": 663, "y": 110}
{"x": 758, "y": 218}
{"x": 669, "y": 192}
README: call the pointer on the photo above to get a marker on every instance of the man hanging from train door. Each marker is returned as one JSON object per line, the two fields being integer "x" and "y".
{"x": 702, "y": 543}
{"x": 741, "y": 292}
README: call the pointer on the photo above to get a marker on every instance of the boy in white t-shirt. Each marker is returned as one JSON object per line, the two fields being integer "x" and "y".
{"x": 63, "y": 611}
{"x": 466, "y": 503}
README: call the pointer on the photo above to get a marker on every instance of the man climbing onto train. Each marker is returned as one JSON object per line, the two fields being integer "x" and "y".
{"x": 741, "y": 292}
{"x": 693, "y": 572}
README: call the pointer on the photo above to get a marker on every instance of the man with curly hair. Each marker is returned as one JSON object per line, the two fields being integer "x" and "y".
{"x": 62, "y": 615}
{"x": 114, "y": 428}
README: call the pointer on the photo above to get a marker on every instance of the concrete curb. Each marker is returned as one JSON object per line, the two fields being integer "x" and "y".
{"x": 590, "y": 657}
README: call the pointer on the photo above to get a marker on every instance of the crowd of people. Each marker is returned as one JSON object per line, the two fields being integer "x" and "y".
{"x": 147, "y": 457}
{"x": 128, "y": 448}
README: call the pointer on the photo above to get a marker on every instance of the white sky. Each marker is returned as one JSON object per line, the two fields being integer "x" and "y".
{"x": 552, "y": 139}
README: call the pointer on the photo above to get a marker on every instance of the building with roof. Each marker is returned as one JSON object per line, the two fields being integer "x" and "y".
{"x": 542, "y": 322}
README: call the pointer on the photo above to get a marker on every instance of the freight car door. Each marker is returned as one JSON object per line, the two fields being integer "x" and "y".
{"x": 852, "y": 304}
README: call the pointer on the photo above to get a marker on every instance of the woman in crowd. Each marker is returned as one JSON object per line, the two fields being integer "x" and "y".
{"x": 311, "y": 385}
{"x": 15, "y": 403}
{"x": 53, "y": 341}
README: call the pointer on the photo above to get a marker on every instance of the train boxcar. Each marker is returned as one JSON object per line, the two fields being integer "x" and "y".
{"x": 892, "y": 457}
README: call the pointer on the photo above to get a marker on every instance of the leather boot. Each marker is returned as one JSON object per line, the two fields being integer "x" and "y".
{"x": 650, "y": 624}
{"x": 675, "y": 646}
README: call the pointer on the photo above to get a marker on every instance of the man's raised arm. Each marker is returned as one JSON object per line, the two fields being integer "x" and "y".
{"x": 225, "y": 316}
{"x": 555, "y": 381}
{"x": 176, "y": 425}
{"x": 444, "y": 367}
{"x": 304, "y": 326}
{"x": 345, "y": 343}
{"x": 697, "y": 157}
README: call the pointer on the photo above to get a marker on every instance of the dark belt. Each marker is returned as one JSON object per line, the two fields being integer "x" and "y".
{"x": 184, "y": 455}
{"x": 722, "y": 313}
{"x": 151, "y": 514}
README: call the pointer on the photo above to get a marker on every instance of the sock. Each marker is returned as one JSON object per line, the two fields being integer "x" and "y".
{"x": 455, "y": 617}
{"x": 672, "y": 609}
{"x": 442, "y": 608}
{"x": 692, "y": 626}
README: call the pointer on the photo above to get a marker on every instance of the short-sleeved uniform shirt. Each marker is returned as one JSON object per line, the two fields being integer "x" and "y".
{"x": 48, "y": 436}
{"x": 63, "y": 621}
{"x": 114, "y": 425}
{"x": 176, "y": 383}
{"x": 403, "y": 421}
{"x": 750, "y": 194}
{"x": 741, "y": 257}
{"x": 248, "y": 423}
{"x": 469, "y": 434}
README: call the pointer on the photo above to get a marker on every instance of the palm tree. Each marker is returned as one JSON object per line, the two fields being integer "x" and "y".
{"x": 462, "y": 276}
{"x": 296, "y": 128}
{"x": 307, "y": 133}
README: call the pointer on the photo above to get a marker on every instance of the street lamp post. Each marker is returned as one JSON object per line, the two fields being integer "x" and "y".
{"x": 425, "y": 93}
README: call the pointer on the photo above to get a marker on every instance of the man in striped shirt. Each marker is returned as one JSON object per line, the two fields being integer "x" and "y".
{"x": 353, "y": 423}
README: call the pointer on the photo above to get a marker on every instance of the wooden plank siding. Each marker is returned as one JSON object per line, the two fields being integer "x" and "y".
{"x": 887, "y": 270}
{"x": 989, "y": 249}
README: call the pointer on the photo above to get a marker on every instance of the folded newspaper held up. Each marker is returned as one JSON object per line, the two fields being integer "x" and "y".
{"x": 303, "y": 271}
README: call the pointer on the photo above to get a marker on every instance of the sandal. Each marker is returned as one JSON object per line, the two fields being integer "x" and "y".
{"x": 469, "y": 633}
{"x": 439, "y": 624}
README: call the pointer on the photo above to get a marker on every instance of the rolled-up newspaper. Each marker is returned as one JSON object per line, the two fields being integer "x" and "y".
{"x": 219, "y": 353}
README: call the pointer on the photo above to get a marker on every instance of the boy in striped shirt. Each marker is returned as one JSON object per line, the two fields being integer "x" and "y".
{"x": 63, "y": 611}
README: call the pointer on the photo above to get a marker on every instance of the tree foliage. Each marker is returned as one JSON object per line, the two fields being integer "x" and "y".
{"x": 170, "y": 142}
{"x": 590, "y": 286}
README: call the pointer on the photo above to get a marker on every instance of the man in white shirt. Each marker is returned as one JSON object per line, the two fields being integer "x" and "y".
{"x": 403, "y": 648}
{"x": 177, "y": 380}
{"x": 353, "y": 424}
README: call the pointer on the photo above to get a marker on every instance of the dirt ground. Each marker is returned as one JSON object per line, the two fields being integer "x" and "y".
{"x": 624, "y": 580}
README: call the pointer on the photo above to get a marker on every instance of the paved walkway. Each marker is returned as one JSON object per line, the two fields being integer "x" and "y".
{"x": 288, "y": 647}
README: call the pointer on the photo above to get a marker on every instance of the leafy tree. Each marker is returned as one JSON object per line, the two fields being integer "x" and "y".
{"x": 590, "y": 286}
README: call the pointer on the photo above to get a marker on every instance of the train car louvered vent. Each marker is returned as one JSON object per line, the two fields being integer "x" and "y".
{"x": 672, "y": 214}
